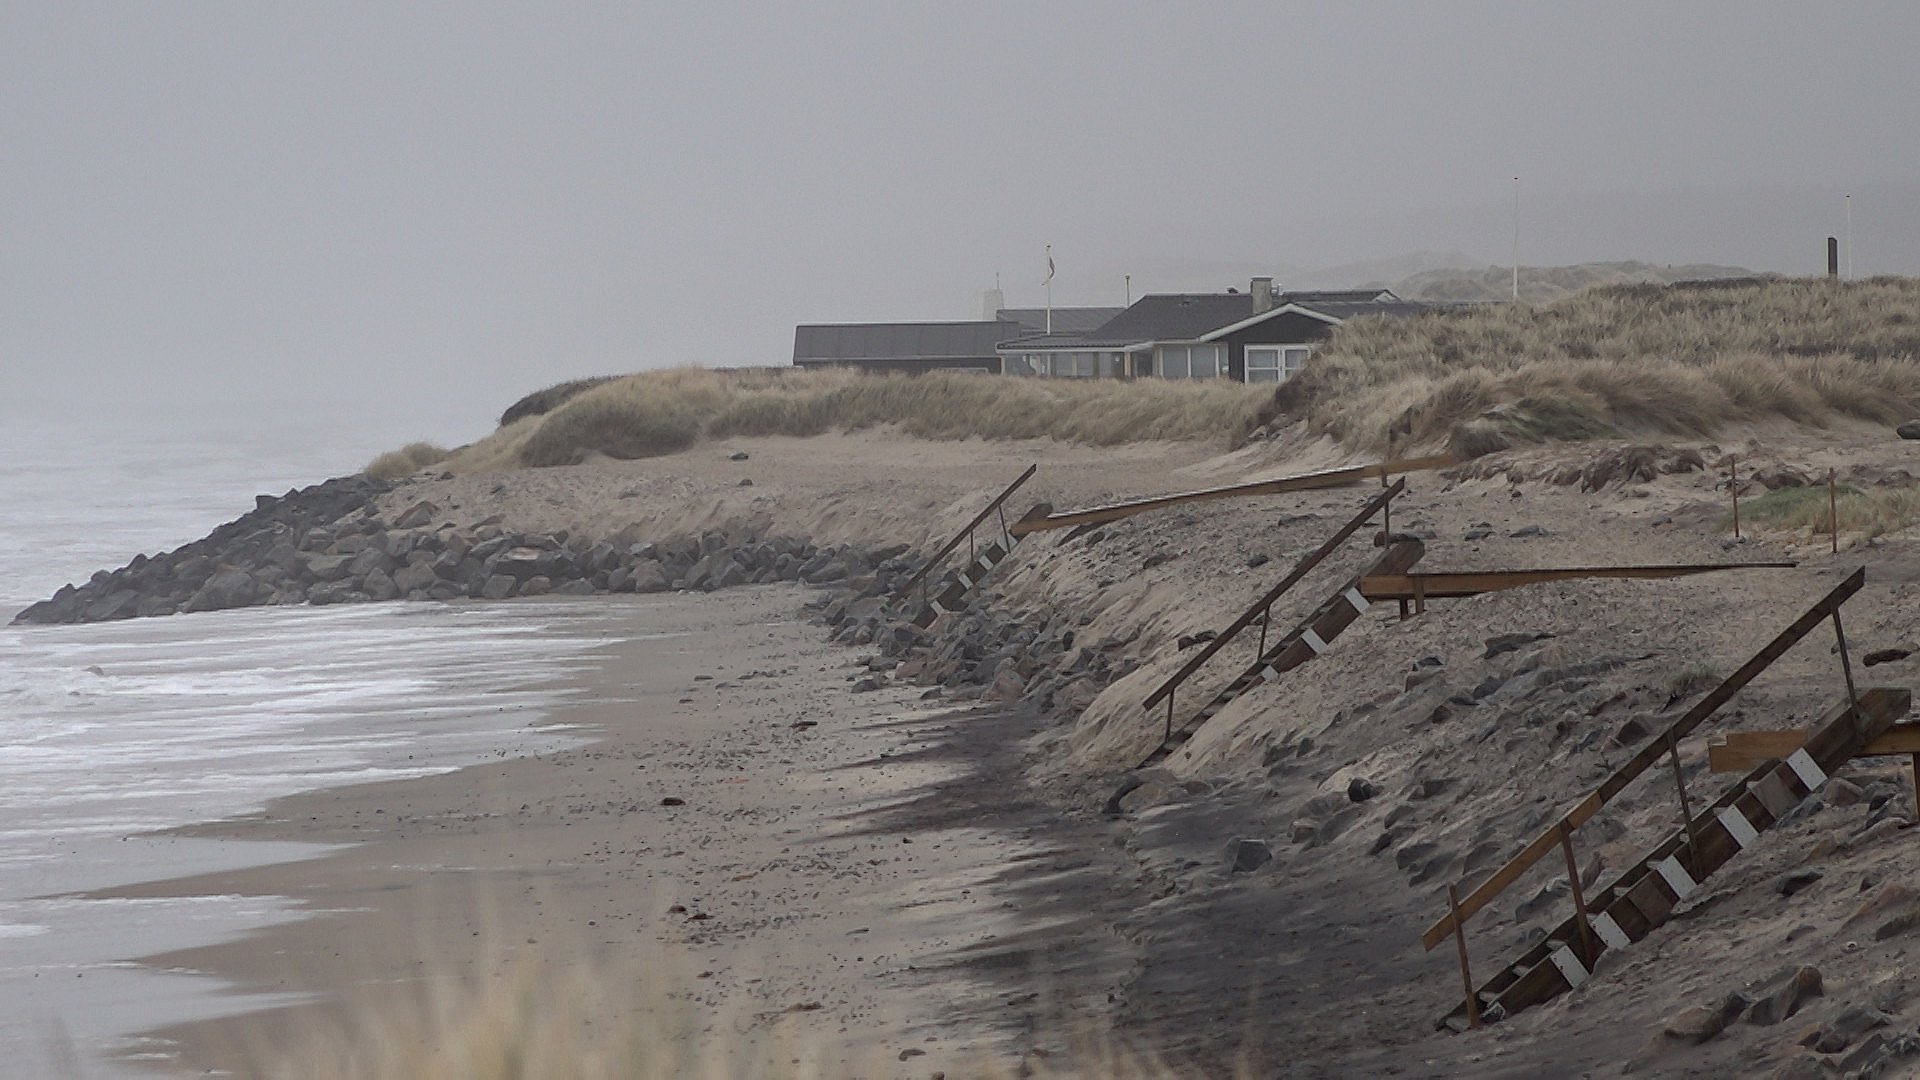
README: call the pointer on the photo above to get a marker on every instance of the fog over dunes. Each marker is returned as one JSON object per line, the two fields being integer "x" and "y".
{"x": 232, "y": 209}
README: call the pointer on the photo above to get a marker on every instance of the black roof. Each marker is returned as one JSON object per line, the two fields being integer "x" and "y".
{"x": 842, "y": 342}
{"x": 1191, "y": 316}
{"x": 1066, "y": 320}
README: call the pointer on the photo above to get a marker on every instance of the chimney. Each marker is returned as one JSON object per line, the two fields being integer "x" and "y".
{"x": 1262, "y": 290}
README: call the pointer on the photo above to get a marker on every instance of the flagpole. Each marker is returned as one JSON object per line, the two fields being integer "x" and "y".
{"x": 1049, "y": 288}
{"x": 1516, "y": 239}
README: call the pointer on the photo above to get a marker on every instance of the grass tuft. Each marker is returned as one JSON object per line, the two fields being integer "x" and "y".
{"x": 405, "y": 461}
{"x": 1870, "y": 513}
{"x": 542, "y": 402}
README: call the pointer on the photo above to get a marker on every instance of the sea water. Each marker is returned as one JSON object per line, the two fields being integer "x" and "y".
{"x": 110, "y": 732}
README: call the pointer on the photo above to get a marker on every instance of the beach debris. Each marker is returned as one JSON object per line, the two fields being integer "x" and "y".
{"x": 673, "y": 800}
{"x": 737, "y": 455}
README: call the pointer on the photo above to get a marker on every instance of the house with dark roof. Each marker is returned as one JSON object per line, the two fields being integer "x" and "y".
{"x": 1258, "y": 336}
{"x": 933, "y": 346}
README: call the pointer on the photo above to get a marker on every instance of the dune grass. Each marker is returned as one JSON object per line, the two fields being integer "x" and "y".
{"x": 661, "y": 412}
{"x": 1872, "y": 512}
{"x": 1678, "y": 360}
{"x": 405, "y": 461}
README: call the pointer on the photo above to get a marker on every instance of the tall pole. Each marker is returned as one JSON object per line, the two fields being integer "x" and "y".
{"x": 1516, "y": 239}
{"x": 1849, "y": 200}
{"x": 1129, "y": 278}
{"x": 1049, "y": 288}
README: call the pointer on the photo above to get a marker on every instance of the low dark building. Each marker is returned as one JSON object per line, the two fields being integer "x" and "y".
{"x": 1256, "y": 336}
{"x": 932, "y": 346}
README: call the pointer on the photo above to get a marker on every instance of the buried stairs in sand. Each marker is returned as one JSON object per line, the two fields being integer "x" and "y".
{"x": 980, "y": 560}
{"x": 1646, "y": 894}
{"x": 1307, "y": 641}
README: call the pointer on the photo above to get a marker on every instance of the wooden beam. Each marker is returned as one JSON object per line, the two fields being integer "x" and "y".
{"x": 1451, "y": 584}
{"x": 1742, "y": 751}
{"x": 1333, "y": 478}
{"x": 1300, "y": 570}
{"x": 1584, "y": 811}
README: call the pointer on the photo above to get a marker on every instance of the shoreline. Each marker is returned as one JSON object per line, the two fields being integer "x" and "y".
{"x": 811, "y": 849}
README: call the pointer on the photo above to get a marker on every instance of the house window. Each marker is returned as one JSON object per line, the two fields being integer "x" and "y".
{"x": 1193, "y": 361}
{"x": 1275, "y": 363}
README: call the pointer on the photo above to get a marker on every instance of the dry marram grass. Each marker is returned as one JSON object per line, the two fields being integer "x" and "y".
{"x": 405, "y": 461}
{"x": 1679, "y": 360}
{"x": 1868, "y": 513}
{"x": 661, "y": 412}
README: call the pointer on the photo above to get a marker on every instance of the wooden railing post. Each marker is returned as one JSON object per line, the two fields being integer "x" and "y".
{"x": 1466, "y": 971}
{"x": 1579, "y": 897}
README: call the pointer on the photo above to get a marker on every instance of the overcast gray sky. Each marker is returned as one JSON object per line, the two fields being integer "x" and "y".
{"x": 382, "y": 209}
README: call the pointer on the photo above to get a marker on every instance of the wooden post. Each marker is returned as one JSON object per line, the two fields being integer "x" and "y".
{"x": 1680, "y": 782}
{"x": 1833, "y": 513}
{"x": 1466, "y": 973}
{"x": 1846, "y": 665}
{"x": 1579, "y": 896}
{"x": 1386, "y": 511}
{"x": 1266, "y": 619}
{"x": 1420, "y": 596}
{"x": 1733, "y": 485}
{"x": 1916, "y": 787}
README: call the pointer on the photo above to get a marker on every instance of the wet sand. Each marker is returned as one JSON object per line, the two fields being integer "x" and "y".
{"x": 827, "y": 873}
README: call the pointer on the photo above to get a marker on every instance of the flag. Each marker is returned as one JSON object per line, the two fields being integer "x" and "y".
{"x": 1049, "y": 280}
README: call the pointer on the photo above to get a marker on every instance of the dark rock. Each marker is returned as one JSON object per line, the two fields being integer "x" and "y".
{"x": 1478, "y": 532}
{"x": 737, "y": 455}
{"x": 498, "y": 587}
{"x": 869, "y": 684}
{"x": 227, "y": 588}
{"x": 1630, "y": 732}
{"x": 1360, "y": 789}
{"x": 414, "y": 576}
{"x": 1885, "y": 656}
{"x": 575, "y": 587}
{"x": 1844, "y": 1030}
{"x": 1702, "y": 1022}
{"x": 378, "y": 585}
{"x": 1244, "y": 856}
{"x": 537, "y": 585}
{"x": 1506, "y": 643}
{"x": 1908, "y": 430}
{"x": 647, "y": 577}
{"x": 1526, "y": 531}
{"x": 1793, "y": 881}
{"x": 1255, "y": 562}
{"x": 1788, "y": 997}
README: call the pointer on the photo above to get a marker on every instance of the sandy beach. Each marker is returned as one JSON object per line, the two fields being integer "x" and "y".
{"x": 918, "y": 880}
{"x": 827, "y": 871}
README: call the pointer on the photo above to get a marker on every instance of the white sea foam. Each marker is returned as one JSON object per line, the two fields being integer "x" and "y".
{"x": 109, "y": 732}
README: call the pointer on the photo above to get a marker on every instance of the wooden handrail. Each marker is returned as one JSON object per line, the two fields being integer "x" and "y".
{"x": 1300, "y": 570}
{"x": 940, "y": 555}
{"x": 1450, "y": 584}
{"x": 1332, "y": 478}
{"x": 1661, "y": 745}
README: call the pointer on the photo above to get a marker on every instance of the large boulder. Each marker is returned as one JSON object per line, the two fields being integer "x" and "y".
{"x": 419, "y": 575}
{"x": 229, "y": 587}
